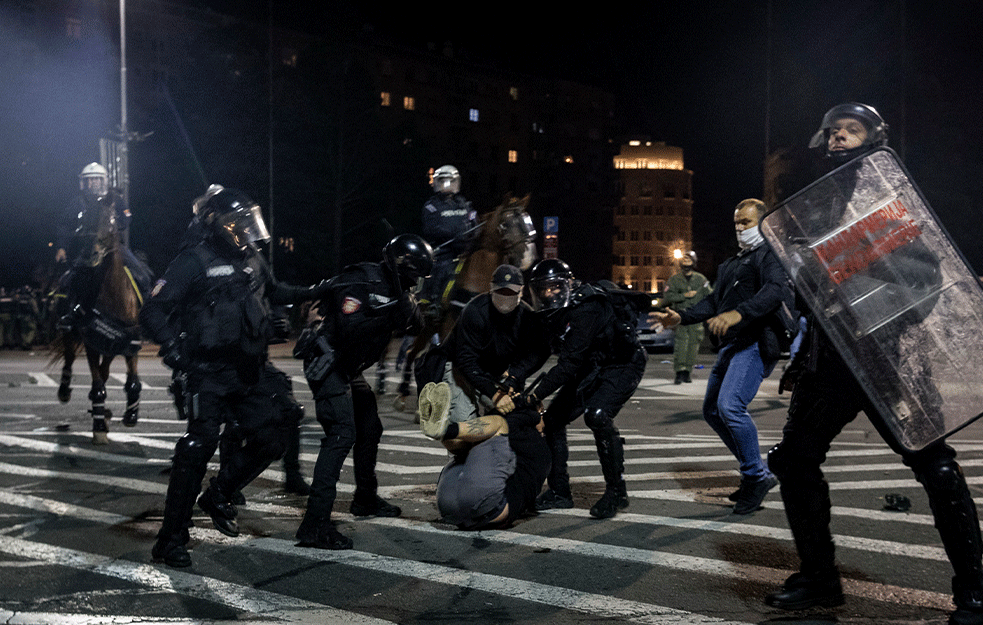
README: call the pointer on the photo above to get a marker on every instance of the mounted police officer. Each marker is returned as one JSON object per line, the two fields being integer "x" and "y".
{"x": 827, "y": 396}
{"x": 599, "y": 365}
{"x": 79, "y": 282}
{"x": 364, "y": 305}
{"x": 210, "y": 313}
{"x": 449, "y": 225}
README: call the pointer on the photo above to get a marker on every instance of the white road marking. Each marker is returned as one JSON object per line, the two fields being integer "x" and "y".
{"x": 276, "y": 607}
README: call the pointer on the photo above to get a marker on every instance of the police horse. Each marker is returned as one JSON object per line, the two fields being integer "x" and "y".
{"x": 111, "y": 327}
{"x": 506, "y": 236}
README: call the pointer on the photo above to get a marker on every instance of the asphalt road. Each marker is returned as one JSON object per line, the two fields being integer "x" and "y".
{"x": 77, "y": 522}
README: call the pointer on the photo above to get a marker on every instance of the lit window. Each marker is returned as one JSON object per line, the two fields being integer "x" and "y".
{"x": 473, "y": 115}
{"x": 409, "y": 103}
{"x": 568, "y": 160}
{"x": 513, "y": 156}
{"x": 514, "y": 93}
{"x": 385, "y": 98}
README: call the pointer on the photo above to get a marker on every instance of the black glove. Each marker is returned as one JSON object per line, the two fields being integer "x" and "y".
{"x": 512, "y": 384}
{"x": 172, "y": 356}
{"x": 281, "y": 326}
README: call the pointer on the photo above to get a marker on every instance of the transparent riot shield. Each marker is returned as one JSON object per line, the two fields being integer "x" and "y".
{"x": 889, "y": 288}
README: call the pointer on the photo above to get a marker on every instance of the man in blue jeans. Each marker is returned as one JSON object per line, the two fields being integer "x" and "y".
{"x": 752, "y": 290}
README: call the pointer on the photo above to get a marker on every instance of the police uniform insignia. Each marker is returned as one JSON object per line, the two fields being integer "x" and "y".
{"x": 127, "y": 212}
{"x": 350, "y": 305}
{"x": 157, "y": 287}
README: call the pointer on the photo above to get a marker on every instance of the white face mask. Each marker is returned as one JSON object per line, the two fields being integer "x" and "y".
{"x": 749, "y": 238}
{"x": 505, "y": 303}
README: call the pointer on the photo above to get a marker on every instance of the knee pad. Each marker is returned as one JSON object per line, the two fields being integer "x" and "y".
{"x": 778, "y": 461}
{"x": 941, "y": 475}
{"x": 598, "y": 420}
{"x": 194, "y": 447}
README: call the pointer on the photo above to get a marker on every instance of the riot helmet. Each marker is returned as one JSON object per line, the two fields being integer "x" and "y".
{"x": 447, "y": 180}
{"x": 201, "y": 199}
{"x": 234, "y": 218}
{"x": 94, "y": 179}
{"x": 409, "y": 258}
{"x": 550, "y": 283}
{"x": 875, "y": 131}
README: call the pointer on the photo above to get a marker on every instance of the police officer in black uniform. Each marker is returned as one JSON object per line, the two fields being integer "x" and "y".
{"x": 449, "y": 225}
{"x": 365, "y": 304}
{"x": 599, "y": 366}
{"x": 826, "y": 397}
{"x": 210, "y": 313}
{"x": 80, "y": 280}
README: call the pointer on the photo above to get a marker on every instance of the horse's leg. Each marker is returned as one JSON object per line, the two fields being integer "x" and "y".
{"x": 132, "y": 388}
{"x": 65, "y": 386}
{"x": 97, "y": 395}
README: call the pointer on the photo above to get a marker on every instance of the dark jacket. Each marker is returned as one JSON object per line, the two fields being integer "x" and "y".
{"x": 583, "y": 335}
{"x": 485, "y": 343}
{"x": 217, "y": 302}
{"x": 754, "y": 284}
{"x": 73, "y": 214}
{"x": 446, "y": 218}
{"x": 362, "y": 309}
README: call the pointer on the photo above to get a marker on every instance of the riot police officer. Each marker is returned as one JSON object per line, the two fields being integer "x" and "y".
{"x": 448, "y": 225}
{"x": 210, "y": 313}
{"x": 817, "y": 374}
{"x": 599, "y": 366}
{"x": 364, "y": 305}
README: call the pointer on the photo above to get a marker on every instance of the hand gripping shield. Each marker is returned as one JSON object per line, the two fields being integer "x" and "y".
{"x": 891, "y": 291}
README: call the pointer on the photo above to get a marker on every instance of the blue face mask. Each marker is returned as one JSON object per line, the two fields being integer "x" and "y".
{"x": 749, "y": 238}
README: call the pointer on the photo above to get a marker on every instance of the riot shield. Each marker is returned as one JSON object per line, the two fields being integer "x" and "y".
{"x": 886, "y": 284}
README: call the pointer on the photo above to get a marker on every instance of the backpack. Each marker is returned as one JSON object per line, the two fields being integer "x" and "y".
{"x": 627, "y": 305}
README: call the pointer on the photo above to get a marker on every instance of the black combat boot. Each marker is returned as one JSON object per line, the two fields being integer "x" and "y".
{"x": 818, "y": 582}
{"x": 320, "y": 532}
{"x": 373, "y": 505}
{"x": 807, "y": 590}
{"x": 220, "y": 508}
{"x": 558, "y": 494}
{"x": 611, "y": 452}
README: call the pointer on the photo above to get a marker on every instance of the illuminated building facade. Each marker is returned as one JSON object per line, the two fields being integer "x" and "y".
{"x": 653, "y": 222}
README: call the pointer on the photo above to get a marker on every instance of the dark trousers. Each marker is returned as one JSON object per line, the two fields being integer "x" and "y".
{"x": 219, "y": 399}
{"x": 349, "y": 416}
{"x": 603, "y": 392}
{"x": 823, "y": 403}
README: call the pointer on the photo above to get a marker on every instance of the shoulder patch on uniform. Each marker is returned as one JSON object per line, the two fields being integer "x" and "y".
{"x": 157, "y": 287}
{"x": 350, "y": 305}
{"x": 220, "y": 270}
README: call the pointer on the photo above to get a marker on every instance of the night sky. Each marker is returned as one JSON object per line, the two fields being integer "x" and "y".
{"x": 719, "y": 79}
{"x": 722, "y": 79}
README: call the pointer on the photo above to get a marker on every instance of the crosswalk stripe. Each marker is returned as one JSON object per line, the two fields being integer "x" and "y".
{"x": 276, "y": 607}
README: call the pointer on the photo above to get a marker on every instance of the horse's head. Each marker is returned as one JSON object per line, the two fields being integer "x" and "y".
{"x": 514, "y": 233}
{"x": 97, "y": 232}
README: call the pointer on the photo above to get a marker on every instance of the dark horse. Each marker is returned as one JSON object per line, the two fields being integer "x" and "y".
{"x": 506, "y": 236}
{"x": 111, "y": 327}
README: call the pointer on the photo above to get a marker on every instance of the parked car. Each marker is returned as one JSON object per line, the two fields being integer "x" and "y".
{"x": 654, "y": 338}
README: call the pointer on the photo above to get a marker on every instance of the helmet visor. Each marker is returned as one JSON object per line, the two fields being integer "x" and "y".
{"x": 550, "y": 294}
{"x": 243, "y": 227}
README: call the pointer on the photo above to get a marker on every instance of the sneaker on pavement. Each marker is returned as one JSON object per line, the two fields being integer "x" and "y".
{"x": 753, "y": 494}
